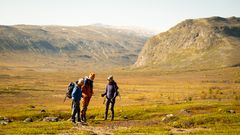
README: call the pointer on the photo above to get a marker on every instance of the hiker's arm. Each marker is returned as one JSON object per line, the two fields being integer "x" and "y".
{"x": 105, "y": 92}
{"x": 84, "y": 91}
{"x": 74, "y": 92}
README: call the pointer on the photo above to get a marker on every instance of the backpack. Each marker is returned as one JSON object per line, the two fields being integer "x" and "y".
{"x": 70, "y": 88}
{"x": 116, "y": 88}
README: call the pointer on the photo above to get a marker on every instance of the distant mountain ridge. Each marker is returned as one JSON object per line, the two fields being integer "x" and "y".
{"x": 205, "y": 43}
{"x": 89, "y": 44}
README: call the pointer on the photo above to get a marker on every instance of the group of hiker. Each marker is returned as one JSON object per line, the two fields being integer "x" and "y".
{"x": 82, "y": 90}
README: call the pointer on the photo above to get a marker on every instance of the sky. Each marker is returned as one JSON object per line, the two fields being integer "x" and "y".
{"x": 158, "y": 15}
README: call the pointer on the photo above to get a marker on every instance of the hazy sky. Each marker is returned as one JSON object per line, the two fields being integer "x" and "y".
{"x": 152, "y": 14}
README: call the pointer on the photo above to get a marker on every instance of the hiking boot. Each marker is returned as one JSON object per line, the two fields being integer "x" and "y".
{"x": 112, "y": 117}
{"x": 85, "y": 119}
{"x": 105, "y": 118}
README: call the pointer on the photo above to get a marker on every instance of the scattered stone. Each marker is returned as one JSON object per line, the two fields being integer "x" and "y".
{"x": 231, "y": 111}
{"x": 2, "y": 122}
{"x": 51, "y": 119}
{"x": 31, "y": 106}
{"x": 125, "y": 117}
{"x": 43, "y": 110}
{"x": 220, "y": 110}
{"x": 169, "y": 117}
{"x": 7, "y": 119}
{"x": 188, "y": 124}
{"x": 28, "y": 120}
{"x": 1, "y": 117}
{"x": 187, "y": 131}
{"x": 185, "y": 112}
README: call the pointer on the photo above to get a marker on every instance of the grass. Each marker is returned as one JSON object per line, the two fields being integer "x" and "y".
{"x": 145, "y": 99}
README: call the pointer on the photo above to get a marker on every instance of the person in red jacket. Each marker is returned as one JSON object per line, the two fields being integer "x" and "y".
{"x": 87, "y": 92}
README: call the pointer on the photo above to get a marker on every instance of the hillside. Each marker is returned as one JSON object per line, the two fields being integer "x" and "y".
{"x": 194, "y": 44}
{"x": 69, "y": 46}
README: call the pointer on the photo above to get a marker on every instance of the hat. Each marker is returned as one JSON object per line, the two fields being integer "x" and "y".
{"x": 80, "y": 81}
{"x": 110, "y": 77}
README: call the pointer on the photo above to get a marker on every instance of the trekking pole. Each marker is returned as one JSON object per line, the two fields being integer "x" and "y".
{"x": 64, "y": 99}
{"x": 104, "y": 100}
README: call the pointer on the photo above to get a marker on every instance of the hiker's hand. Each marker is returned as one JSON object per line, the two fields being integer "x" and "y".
{"x": 102, "y": 95}
{"x": 84, "y": 95}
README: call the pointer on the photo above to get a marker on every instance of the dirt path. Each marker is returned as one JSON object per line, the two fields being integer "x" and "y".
{"x": 95, "y": 129}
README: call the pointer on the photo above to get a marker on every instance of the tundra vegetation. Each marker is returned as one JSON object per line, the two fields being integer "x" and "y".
{"x": 151, "y": 102}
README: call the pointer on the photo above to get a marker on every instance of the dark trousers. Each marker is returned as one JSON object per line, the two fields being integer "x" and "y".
{"x": 85, "y": 102}
{"x": 75, "y": 110}
{"x": 112, "y": 108}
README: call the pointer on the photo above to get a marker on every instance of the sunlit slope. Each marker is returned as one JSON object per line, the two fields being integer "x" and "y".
{"x": 206, "y": 43}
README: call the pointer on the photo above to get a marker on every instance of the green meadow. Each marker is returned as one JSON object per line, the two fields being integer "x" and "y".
{"x": 197, "y": 102}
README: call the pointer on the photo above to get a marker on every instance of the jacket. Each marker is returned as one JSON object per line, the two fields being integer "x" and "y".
{"x": 77, "y": 93}
{"x": 111, "y": 90}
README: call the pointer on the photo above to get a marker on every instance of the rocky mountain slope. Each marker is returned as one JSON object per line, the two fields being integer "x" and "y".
{"x": 205, "y": 43}
{"x": 92, "y": 44}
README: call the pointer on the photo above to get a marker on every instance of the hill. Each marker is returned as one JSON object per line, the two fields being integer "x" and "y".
{"x": 64, "y": 46}
{"x": 194, "y": 44}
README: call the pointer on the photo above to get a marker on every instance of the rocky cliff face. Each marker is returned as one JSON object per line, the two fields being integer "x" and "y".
{"x": 90, "y": 44}
{"x": 205, "y": 43}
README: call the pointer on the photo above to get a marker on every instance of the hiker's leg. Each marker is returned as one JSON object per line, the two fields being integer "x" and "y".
{"x": 74, "y": 110}
{"x": 83, "y": 109}
{"x": 112, "y": 108}
{"x": 86, "y": 107}
{"x": 78, "y": 111}
{"x": 106, "y": 110}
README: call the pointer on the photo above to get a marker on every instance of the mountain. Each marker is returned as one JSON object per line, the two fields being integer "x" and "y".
{"x": 61, "y": 45}
{"x": 194, "y": 44}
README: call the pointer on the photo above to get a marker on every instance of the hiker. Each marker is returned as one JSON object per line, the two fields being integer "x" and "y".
{"x": 76, "y": 97}
{"x": 87, "y": 92}
{"x": 111, "y": 93}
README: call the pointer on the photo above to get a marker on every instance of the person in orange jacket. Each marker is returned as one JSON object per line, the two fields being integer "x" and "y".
{"x": 87, "y": 92}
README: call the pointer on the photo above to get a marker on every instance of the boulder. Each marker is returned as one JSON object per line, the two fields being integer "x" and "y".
{"x": 43, "y": 110}
{"x": 185, "y": 112}
{"x": 168, "y": 118}
{"x": 28, "y": 120}
{"x": 31, "y": 106}
{"x": 7, "y": 119}
{"x": 51, "y": 119}
{"x": 2, "y": 122}
{"x": 231, "y": 111}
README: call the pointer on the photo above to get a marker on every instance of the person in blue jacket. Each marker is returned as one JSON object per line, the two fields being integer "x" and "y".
{"x": 76, "y": 97}
{"x": 111, "y": 93}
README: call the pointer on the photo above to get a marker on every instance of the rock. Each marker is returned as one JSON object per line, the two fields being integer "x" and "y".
{"x": 188, "y": 124}
{"x": 2, "y": 122}
{"x": 1, "y": 117}
{"x": 7, "y": 119}
{"x": 51, "y": 119}
{"x": 31, "y": 106}
{"x": 169, "y": 117}
{"x": 43, "y": 110}
{"x": 28, "y": 120}
{"x": 220, "y": 110}
{"x": 185, "y": 112}
{"x": 231, "y": 111}
{"x": 125, "y": 117}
